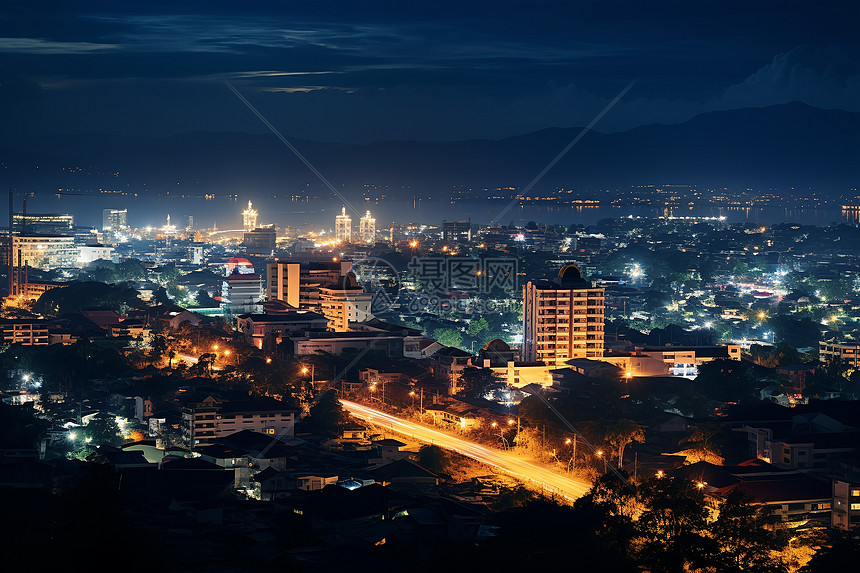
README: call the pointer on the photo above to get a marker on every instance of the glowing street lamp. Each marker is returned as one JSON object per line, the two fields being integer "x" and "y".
{"x": 601, "y": 456}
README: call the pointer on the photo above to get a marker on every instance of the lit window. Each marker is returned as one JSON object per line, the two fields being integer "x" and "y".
{"x": 855, "y": 506}
{"x": 855, "y": 493}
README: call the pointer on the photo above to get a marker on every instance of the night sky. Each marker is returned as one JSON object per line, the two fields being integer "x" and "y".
{"x": 362, "y": 71}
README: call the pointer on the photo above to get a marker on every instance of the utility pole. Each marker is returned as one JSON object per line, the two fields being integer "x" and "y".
{"x": 421, "y": 403}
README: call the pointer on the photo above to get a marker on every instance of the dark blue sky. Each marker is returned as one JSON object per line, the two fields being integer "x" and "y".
{"x": 361, "y": 71}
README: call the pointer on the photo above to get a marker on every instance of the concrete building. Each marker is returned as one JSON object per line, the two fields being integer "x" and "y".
{"x": 343, "y": 227}
{"x": 685, "y": 360}
{"x": 336, "y": 343}
{"x": 298, "y": 283}
{"x": 206, "y": 418}
{"x": 260, "y": 241}
{"x": 345, "y": 302}
{"x": 562, "y": 319}
{"x": 90, "y": 253}
{"x": 268, "y": 329}
{"x": 43, "y": 224}
{"x": 457, "y": 231}
{"x": 115, "y": 225}
{"x": 242, "y": 293}
{"x": 840, "y": 351}
{"x": 367, "y": 229}
{"x": 45, "y": 252}
{"x": 845, "y": 510}
{"x": 23, "y": 331}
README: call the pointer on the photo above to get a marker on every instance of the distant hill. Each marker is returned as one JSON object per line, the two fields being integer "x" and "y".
{"x": 779, "y": 146}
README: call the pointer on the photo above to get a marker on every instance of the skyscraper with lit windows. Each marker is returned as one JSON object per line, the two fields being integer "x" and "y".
{"x": 343, "y": 227}
{"x": 562, "y": 318}
{"x": 367, "y": 229}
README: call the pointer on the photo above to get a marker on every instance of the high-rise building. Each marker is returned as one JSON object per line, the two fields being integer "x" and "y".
{"x": 367, "y": 229}
{"x": 343, "y": 227}
{"x": 562, "y": 318}
{"x": 260, "y": 241}
{"x": 298, "y": 284}
{"x": 114, "y": 224}
{"x": 345, "y": 302}
{"x": 43, "y": 224}
{"x": 249, "y": 218}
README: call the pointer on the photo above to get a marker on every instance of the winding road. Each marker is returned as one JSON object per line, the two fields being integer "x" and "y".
{"x": 548, "y": 480}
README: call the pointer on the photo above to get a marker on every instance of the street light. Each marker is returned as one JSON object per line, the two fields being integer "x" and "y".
{"x": 601, "y": 456}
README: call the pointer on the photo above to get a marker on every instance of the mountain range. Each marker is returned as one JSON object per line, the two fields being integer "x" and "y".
{"x": 789, "y": 145}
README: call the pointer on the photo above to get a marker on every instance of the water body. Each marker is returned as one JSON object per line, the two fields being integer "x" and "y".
{"x": 225, "y": 212}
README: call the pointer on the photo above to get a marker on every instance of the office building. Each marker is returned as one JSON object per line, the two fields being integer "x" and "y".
{"x": 260, "y": 241}
{"x": 115, "y": 225}
{"x": 43, "y": 224}
{"x": 345, "y": 302}
{"x": 343, "y": 227}
{"x": 90, "y": 253}
{"x": 457, "y": 231}
{"x": 45, "y": 251}
{"x": 562, "y": 318}
{"x": 367, "y": 229}
{"x": 298, "y": 284}
{"x": 848, "y": 352}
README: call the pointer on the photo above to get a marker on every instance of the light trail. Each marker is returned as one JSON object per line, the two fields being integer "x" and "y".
{"x": 569, "y": 488}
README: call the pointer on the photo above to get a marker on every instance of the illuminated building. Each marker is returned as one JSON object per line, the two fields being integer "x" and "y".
{"x": 562, "y": 318}
{"x": 115, "y": 225}
{"x": 457, "y": 231}
{"x": 249, "y": 218}
{"x": 840, "y": 352}
{"x": 25, "y": 331}
{"x": 298, "y": 284}
{"x": 343, "y": 227}
{"x": 90, "y": 253}
{"x": 242, "y": 290}
{"x": 42, "y": 224}
{"x": 267, "y": 329}
{"x": 367, "y": 229}
{"x": 345, "y": 302}
{"x": 260, "y": 241}
{"x": 212, "y": 418}
{"x": 44, "y": 251}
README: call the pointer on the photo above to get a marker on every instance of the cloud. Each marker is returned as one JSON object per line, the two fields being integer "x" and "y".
{"x": 826, "y": 77}
{"x": 40, "y": 46}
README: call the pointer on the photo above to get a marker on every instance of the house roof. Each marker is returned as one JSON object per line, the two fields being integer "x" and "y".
{"x": 256, "y": 404}
{"x": 400, "y": 470}
{"x": 787, "y": 489}
{"x": 266, "y": 474}
{"x": 388, "y": 442}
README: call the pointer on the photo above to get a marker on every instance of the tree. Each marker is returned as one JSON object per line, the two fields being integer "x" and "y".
{"x": 476, "y": 381}
{"x": 620, "y": 433}
{"x": 433, "y": 458}
{"x": 157, "y": 347}
{"x": 478, "y": 326}
{"x": 447, "y": 336}
{"x": 672, "y": 530}
{"x": 104, "y": 431}
{"x": 744, "y": 544}
{"x": 703, "y": 445}
{"x": 327, "y": 415}
{"x": 840, "y": 553}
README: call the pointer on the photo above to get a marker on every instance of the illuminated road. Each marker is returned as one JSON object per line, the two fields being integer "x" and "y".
{"x": 187, "y": 358}
{"x": 506, "y": 462}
